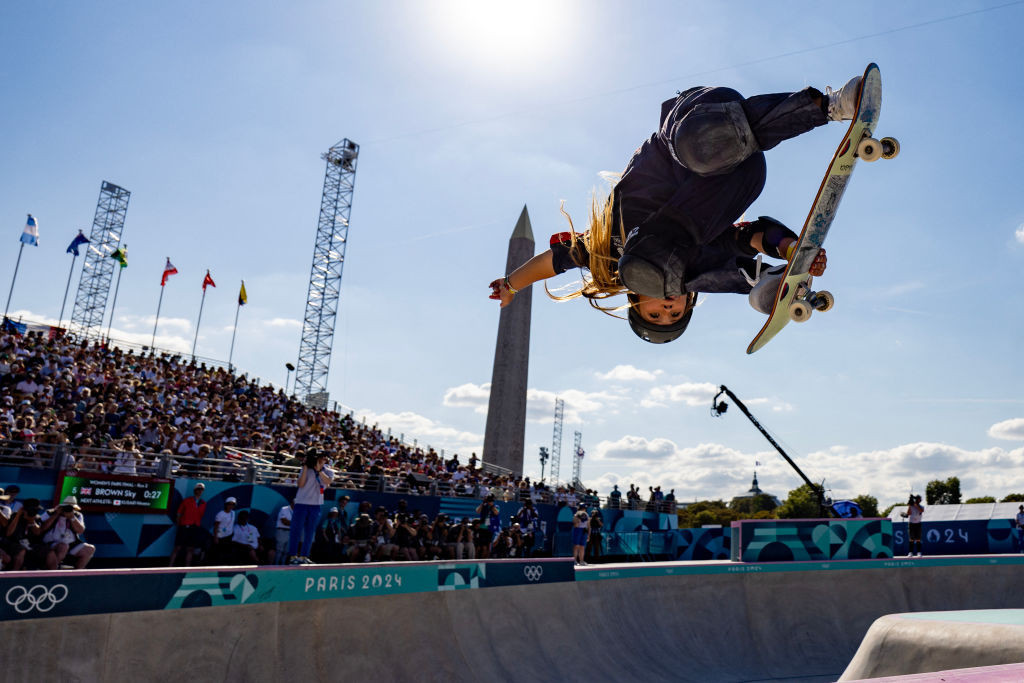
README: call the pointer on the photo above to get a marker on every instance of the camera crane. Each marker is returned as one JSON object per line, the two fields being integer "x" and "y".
{"x": 718, "y": 408}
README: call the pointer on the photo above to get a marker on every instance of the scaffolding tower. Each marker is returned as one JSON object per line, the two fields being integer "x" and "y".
{"x": 556, "y": 441}
{"x": 98, "y": 269}
{"x": 325, "y": 275}
{"x": 577, "y": 461}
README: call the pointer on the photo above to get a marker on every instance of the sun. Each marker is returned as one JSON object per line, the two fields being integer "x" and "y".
{"x": 503, "y": 37}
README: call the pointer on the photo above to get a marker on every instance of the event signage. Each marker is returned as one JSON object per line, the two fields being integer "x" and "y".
{"x": 116, "y": 493}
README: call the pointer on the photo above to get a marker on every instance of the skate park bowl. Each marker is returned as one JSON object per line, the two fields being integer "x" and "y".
{"x": 501, "y": 620}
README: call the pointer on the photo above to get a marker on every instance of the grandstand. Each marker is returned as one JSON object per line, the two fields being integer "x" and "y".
{"x": 79, "y": 408}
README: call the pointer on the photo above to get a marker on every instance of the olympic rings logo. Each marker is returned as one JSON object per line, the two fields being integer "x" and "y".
{"x": 42, "y": 598}
{"x": 533, "y": 572}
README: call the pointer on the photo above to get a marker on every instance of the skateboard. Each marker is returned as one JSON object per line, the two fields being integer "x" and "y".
{"x": 795, "y": 299}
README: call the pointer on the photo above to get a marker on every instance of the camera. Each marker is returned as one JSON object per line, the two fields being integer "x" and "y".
{"x": 312, "y": 457}
{"x": 65, "y": 509}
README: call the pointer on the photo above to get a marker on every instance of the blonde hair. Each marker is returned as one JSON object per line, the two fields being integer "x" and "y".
{"x": 603, "y": 280}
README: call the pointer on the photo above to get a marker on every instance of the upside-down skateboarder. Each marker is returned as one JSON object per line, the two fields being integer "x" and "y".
{"x": 668, "y": 229}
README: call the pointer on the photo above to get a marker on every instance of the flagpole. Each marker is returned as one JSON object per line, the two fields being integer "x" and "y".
{"x": 68, "y": 289}
{"x": 13, "y": 279}
{"x": 156, "y": 322}
{"x": 116, "y": 288}
{"x": 199, "y": 320}
{"x": 230, "y": 354}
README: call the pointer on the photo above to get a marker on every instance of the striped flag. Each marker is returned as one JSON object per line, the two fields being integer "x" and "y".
{"x": 30, "y": 235}
{"x": 169, "y": 270}
{"x": 243, "y": 299}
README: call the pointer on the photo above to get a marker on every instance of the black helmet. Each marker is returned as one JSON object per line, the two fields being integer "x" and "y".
{"x": 655, "y": 334}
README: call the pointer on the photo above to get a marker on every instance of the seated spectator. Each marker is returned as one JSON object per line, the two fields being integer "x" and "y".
{"x": 329, "y": 543}
{"x": 361, "y": 533}
{"x": 223, "y": 529}
{"x": 23, "y": 537}
{"x": 62, "y": 528}
{"x": 245, "y": 538}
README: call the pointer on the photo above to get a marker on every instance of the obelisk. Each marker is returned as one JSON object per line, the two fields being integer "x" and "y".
{"x": 506, "y": 411}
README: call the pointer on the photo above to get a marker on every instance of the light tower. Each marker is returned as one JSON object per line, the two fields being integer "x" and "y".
{"x": 98, "y": 268}
{"x": 577, "y": 461}
{"x": 325, "y": 275}
{"x": 506, "y": 409}
{"x": 556, "y": 441}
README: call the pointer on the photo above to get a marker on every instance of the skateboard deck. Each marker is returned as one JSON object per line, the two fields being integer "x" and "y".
{"x": 795, "y": 300}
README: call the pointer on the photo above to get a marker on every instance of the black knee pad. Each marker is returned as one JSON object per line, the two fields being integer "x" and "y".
{"x": 713, "y": 138}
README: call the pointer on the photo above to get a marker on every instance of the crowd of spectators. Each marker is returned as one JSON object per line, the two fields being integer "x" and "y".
{"x": 105, "y": 409}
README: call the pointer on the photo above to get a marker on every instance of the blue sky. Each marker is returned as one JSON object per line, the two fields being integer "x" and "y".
{"x": 214, "y": 117}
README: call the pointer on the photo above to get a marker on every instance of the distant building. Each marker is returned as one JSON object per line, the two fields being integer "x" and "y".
{"x": 754, "y": 491}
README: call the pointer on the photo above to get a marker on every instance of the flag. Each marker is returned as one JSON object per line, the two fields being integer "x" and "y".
{"x": 30, "y": 235}
{"x": 169, "y": 270}
{"x": 121, "y": 256}
{"x": 208, "y": 281}
{"x": 243, "y": 299}
{"x": 77, "y": 242}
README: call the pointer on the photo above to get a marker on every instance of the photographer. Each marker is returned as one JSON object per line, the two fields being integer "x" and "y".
{"x": 23, "y": 534}
{"x": 580, "y": 531}
{"x": 61, "y": 529}
{"x": 913, "y": 515}
{"x": 594, "y": 541}
{"x": 490, "y": 522}
{"x": 314, "y": 478}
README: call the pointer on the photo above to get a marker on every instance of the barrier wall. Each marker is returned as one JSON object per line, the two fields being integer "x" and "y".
{"x": 34, "y": 595}
{"x": 784, "y": 540}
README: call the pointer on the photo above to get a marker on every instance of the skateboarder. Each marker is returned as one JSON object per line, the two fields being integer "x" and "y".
{"x": 667, "y": 230}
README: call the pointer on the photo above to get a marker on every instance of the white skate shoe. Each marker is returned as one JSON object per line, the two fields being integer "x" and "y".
{"x": 842, "y": 103}
{"x": 762, "y": 296}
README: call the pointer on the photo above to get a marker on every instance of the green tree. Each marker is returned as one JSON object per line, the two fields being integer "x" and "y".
{"x": 1013, "y": 498}
{"x": 801, "y": 503}
{"x": 888, "y": 510}
{"x": 748, "y": 506}
{"x": 980, "y": 499}
{"x": 706, "y": 512}
{"x": 868, "y": 505}
{"x": 943, "y": 492}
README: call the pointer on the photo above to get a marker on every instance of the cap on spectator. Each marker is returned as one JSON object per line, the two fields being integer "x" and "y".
{"x": 72, "y": 501}
{"x": 345, "y": 498}
{"x": 200, "y": 485}
{"x": 13, "y": 488}
{"x": 4, "y": 497}
{"x": 332, "y": 510}
{"x": 231, "y": 500}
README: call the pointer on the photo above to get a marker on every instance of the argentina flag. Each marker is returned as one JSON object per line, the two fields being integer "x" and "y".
{"x": 30, "y": 235}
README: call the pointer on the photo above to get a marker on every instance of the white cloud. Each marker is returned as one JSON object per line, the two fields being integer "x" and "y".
{"x": 283, "y": 322}
{"x": 628, "y": 373}
{"x": 1019, "y": 234}
{"x": 425, "y": 431}
{"x": 691, "y": 393}
{"x": 1010, "y": 430}
{"x": 540, "y": 403}
{"x": 469, "y": 395}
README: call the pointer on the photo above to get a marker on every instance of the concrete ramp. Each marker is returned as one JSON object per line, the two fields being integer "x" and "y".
{"x": 922, "y": 642}
{"x": 497, "y": 620}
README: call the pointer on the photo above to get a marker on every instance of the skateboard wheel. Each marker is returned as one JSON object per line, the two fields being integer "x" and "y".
{"x": 824, "y": 301}
{"x": 869, "y": 149}
{"x": 799, "y": 311}
{"x": 890, "y": 148}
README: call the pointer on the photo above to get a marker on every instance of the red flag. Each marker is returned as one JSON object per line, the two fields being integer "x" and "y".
{"x": 208, "y": 281}
{"x": 169, "y": 270}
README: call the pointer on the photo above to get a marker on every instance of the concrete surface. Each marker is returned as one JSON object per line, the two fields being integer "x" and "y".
{"x": 744, "y": 626}
{"x": 899, "y": 644}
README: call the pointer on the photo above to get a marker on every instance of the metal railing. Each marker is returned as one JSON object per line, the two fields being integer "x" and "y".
{"x": 260, "y": 467}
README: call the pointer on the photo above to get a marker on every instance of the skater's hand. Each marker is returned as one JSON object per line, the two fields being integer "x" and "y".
{"x": 500, "y": 292}
{"x": 818, "y": 266}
